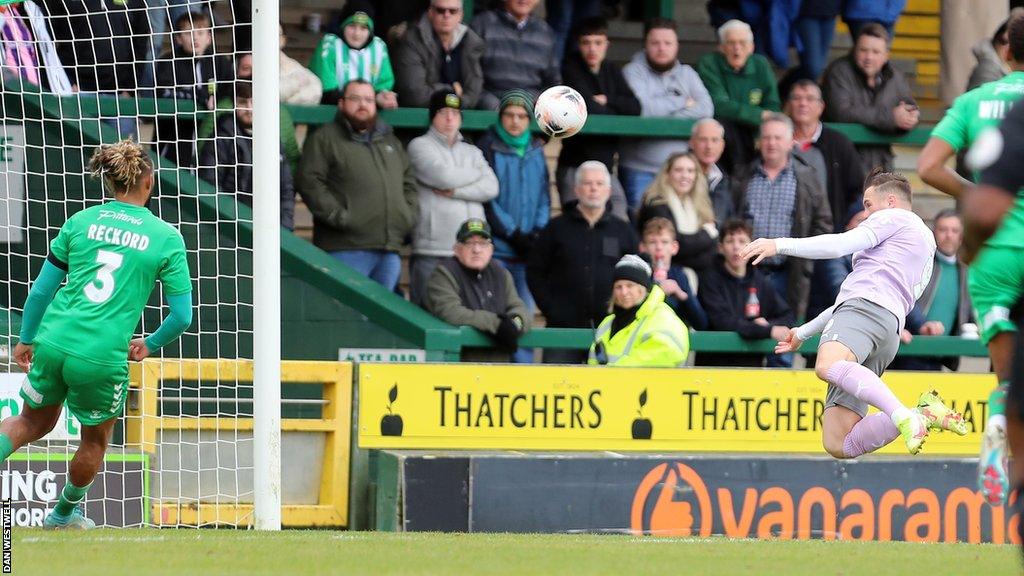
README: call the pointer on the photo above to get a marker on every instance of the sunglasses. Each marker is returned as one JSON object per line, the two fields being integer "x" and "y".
{"x": 443, "y": 11}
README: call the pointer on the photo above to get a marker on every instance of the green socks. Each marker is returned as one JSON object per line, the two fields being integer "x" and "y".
{"x": 6, "y": 449}
{"x": 997, "y": 400}
{"x": 69, "y": 498}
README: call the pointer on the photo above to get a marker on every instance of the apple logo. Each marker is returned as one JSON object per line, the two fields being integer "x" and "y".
{"x": 642, "y": 427}
{"x": 391, "y": 424}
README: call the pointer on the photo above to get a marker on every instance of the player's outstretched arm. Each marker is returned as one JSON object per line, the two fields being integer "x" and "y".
{"x": 823, "y": 247}
{"x": 173, "y": 326}
{"x": 931, "y": 166}
{"x": 39, "y": 297}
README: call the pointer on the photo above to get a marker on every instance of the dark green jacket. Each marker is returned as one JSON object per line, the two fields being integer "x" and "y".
{"x": 360, "y": 188}
{"x": 743, "y": 95}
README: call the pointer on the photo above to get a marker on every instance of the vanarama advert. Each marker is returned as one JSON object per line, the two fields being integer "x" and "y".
{"x": 469, "y": 406}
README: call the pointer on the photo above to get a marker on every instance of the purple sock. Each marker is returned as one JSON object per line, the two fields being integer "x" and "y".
{"x": 864, "y": 384}
{"x": 870, "y": 434}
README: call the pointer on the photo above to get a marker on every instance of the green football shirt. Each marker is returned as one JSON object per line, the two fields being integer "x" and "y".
{"x": 114, "y": 254}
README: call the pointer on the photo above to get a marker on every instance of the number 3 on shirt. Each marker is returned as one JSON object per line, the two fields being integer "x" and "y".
{"x": 100, "y": 289}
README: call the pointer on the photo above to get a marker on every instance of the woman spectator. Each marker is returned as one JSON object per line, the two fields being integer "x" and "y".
{"x": 642, "y": 330}
{"x": 680, "y": 193}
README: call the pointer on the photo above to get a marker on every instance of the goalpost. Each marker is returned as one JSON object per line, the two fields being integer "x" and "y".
{"x": 200, "y": 441}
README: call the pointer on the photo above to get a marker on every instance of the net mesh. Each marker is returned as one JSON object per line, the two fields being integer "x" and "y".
{"x": 77, "y": 73}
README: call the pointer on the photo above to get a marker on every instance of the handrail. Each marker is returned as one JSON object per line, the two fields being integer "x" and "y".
{"x": 472, "y": 120}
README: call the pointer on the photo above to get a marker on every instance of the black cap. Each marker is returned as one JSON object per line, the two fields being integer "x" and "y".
{"x": 473, "y": 227}
{"x": 445, "y": 98}
{"x": 635, "y": 269}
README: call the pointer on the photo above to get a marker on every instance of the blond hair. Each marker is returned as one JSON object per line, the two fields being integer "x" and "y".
{"x": 120, "y": 165}
{"x": 661, "y": 191}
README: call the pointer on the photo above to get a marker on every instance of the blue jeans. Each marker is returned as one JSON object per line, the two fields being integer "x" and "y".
{"x": 564, "y": 14}
{"x": 816, "y": 36}
{"x": 780, "y": 281}
{"x": 378, "y": 265}
{"x": 518, "y": 271}
{"x": 635, "y": 183}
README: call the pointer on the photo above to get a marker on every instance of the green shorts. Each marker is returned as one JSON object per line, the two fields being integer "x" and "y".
{"x": 94, "y": 392}
{"x": 996, "y": 282}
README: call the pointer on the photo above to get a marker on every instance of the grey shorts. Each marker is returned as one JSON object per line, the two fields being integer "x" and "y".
{"x": 871, "y": 333}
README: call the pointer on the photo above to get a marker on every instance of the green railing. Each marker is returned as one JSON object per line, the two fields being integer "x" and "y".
{"x": 441, "y": 341}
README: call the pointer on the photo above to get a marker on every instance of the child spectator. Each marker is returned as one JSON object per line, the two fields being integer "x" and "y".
{"x": 679, "y": 193}
{"x": 357, "y": 53}
{"x": 190, "y": 72}
{"x": 659, "y": 242}
{"x": 739, "y": 298}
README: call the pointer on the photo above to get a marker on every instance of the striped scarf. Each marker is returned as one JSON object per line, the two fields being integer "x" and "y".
{"x": 19, "y": 53}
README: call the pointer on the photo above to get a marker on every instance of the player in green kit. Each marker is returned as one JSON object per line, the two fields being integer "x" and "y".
{"x": 76, "y": 340}
{"x": 996, "y": 277}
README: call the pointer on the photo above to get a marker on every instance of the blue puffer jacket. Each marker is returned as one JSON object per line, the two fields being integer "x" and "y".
{"x": 524, "y": 202}
{"x": 883, "y": 11}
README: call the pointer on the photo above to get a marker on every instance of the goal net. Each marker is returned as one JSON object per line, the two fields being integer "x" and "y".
{"x": 172, "y": 75}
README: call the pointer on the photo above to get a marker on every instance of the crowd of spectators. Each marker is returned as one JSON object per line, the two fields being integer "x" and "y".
{"x": 487, "y": 249}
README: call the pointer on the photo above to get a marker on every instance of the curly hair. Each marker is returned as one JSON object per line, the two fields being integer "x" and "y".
{"x": 120, "y": 165}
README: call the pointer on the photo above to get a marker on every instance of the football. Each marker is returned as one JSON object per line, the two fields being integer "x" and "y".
{"x": 560, "y": 112}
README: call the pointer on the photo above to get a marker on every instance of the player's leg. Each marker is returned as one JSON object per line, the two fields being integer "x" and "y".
{"x": 85, "y": 465}
{"x": 42, "y": 394}
{"x": 836, "y": 424}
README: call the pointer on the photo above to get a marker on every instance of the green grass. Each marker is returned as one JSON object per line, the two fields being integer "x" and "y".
{"x": 183, "y": 552}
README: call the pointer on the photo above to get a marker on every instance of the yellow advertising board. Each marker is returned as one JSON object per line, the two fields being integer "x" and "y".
{"x": 473, "y": 406}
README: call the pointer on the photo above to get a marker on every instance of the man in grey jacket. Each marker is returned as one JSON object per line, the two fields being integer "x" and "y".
{"x": 453, "y": 180}
{"x": 664, "y": 87}
{"x": 865, "y": 88}
{"x": 472, "y": 289}
{"x": 439, "y": 51}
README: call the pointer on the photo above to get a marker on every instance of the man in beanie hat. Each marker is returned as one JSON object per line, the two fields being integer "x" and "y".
{"x": 471, "y": 289}
{"x": 642, "y": 330}
{"x": 523, "y": 205}
{"x": 439, "y": 50}
{"x": 519, "y": 53}
{"x": 355, "y": 54}
{"x": 453, "y": 180}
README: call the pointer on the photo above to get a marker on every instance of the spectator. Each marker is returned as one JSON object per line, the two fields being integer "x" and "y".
{"x": 471, "y": 289}
{"x": 707, "y": 142}
{"x": 519, "y": 54}
{"x": 641, "y": 331}
{"x": 837, "y": 164}
{"x": 227, "y": 161}
{"x": 523, "y": 205}
{"x": 782, "y": 197}
{"x": 571, "y": 265}
{"x": 945, "y": 305}
{"x": 356, "y": 54}
{"x": 453, "y": 180}
{"x": 742, "y": 87}
{"x": 659, "y": 242}
{"x": 189, "y": 72}
{"x": 160, "y": 15}
{"x": 680, "y": 194}
{"x": 298, "y": 84}
{"x": 860, "y": 13}
{"x": 993, "y": 55}
{"x": 601, "y": 84}
{"x": 358, "y": 182}
{"x": 439, "y": 51}
{"x": 564, "y": 16}
{"x": 739, "y": 298}
{"x": 664, "y": 87}
{"x": 864, "y": 88}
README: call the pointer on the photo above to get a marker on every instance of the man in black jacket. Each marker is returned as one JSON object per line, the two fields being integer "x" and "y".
{"x": 572, "y": 263}
{"x": 227, "y": 161}
{"x": 840, "y": 173}
{"x": 738, "y": 298}
{"x": 605, "y": 90}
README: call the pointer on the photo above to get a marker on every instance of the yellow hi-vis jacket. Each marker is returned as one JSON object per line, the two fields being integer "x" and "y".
{"x": 656, "y": 338}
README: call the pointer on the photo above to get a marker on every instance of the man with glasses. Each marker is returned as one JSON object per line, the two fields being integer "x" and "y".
{"x": 439, "y": 51}
{"x": 471, "y": 289}
{"x": 358, "y": 182}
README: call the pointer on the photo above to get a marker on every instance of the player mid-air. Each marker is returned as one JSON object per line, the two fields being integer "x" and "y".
{"x": 860, "y": 334}
{"x": 76, "y": 345}
{"x": 994, "y": 289}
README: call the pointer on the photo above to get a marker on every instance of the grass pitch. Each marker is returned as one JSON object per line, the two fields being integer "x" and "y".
{"x": 181, "y": 552}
